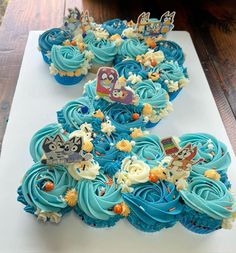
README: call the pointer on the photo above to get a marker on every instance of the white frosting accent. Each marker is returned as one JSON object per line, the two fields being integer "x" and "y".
{"x": 52, "y": 69}
{"x": 107, "y": 127}
{"x": 101, "y": 33}
{"x": 43, "y": 216}
{"x": 134, "y": 78}
{"x": 183, "y": 82}
{"x": 158, "y": 56}
{"x": 86, "y": 127}
{"x": 85, "y": 132}
{"x": 172, "y": 86}
{"x": 227, "y": 223}
{"x": 156, "y": 116}
{"x": 130, "y": 33}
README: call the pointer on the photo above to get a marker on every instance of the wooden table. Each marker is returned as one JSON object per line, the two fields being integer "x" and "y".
{"x": 212, "y": 25}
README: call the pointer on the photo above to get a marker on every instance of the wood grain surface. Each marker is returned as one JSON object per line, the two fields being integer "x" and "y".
{"x": 211, "y": 23}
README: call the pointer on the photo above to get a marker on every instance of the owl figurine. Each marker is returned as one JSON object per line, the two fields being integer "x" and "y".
{"x": 106, "y": 78}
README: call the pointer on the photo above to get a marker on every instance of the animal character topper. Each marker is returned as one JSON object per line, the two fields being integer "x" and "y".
{"x": 58, "y": 151}
{"x": 154, "y": 27}
{"x": 113, "y": 88}
{"x": 72, "y": 20}
{"x": 85, "y": 20}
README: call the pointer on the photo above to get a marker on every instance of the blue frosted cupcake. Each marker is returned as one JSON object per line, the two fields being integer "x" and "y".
{"x": 104, "y": 52}
{"x": 208, "y": 205}
{"x": 131, "y": 67}
{"x": 148, "y": 148}
{"x": 36, "y": 142}
{"x": 45, "y": 192}
{"x": 213, "y": 151}
{"x": 96, "y": 201}
{"x": 54, "y": 36}
{"x": 171, "y": 50}
{"x": 130, "y": 48}
{"x": 75, "y": 113}
{"x": 114, "y": 26}
{"x": 88, "y": 37}
{"x": 153, "y": 206}
{"x": 152, "y": 93}
{"x": 69, "y": 64}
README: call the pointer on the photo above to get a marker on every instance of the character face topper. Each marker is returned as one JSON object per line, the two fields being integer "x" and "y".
{"x": 58, "y": 151}
{"x": 72, "y": 20}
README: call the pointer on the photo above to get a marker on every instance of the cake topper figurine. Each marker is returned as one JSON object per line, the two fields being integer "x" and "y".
{"x": 113, "y": 88}
{"x": 154, "y": 27}
{"x": 58, "y": 151}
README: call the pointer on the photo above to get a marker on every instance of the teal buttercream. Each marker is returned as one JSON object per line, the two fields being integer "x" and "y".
{"x": 36, "y": 142}
{"x": 213, "y": 151}
{"x": 33, "y": 187}
{"x": 104, "y": 51}
{"x": 148, "y": 148}
{"x": 131, "y": 48}
{"x": 89, "y": 37}
{"x": 97, "y": 197}
{"x": 209, "y": 197}
{"x": 67, "y": 58}
{"x": 153, "y": 205}
{"x": 90, "y": 89}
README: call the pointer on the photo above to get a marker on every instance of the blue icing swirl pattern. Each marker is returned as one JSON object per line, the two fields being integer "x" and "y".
{"x": 153, "y": 205}
{"x": 89, "y": 37}
{"x": 114, "y": 26}
{"x": 36, "y": 142}
{"x": 90, "y": 89}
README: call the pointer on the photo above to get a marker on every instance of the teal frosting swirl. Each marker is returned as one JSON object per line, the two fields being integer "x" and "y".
{"x": 213, "y": 151}
{"x": 104, "y": 51}
{"x": 153, "y": 205}
{"x": 148, "y": 149}
{"x": 132, "y": 47}
{"x": 97, "y": 198}
{"x": 36, "y": 142}
{"x": 89, "y": 37}
{"x": 67, "y": 58}
{"x": 90, "y": 89}
{"x": 33, "y": 187}
{"x": 209, "y": 197}
{"x": 152, "y": 93}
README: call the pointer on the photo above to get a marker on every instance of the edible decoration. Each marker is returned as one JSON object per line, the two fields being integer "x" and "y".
{"x": 71, "y": 197}
{"x": 124, "y": 145}
{"x": 212, "y": 173}
{"x": 111, "y": 87}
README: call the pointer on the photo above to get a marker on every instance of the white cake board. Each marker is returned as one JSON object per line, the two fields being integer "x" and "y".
{"x": 37, "y": 98}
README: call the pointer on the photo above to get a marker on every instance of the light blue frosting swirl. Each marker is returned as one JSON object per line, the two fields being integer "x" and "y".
{"x": 104, "y": 51}
{"x": 148, "y": 149}
{"x": 209, "y": 197}
{"x": 89, "y": 37}
{"x": 36, "y": 142}
{"x": 32, "y": 187}
{"x": 67, "y": 58}
{"x": 97, "y": 198}
{"x": 114, "y": 26}
{"x": 131, "y": 48}
{"x": 153, "y": 205}
{"x": 90, "y": 89}
{"x": 54, "y": 36}
{"x": 171, "y": 50}
{"x": 127, "y": 67}
{"x": 75, "y": 113}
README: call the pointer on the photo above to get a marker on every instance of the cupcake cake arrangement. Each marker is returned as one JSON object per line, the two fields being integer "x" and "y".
{"x": 138, "y": 51}
{"x": 100, "y": 162}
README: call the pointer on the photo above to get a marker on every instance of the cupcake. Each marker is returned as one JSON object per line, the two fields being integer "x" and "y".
{"x": 104, "y": 52}
{"x": 47, "y": 192}
{"x": 54, "y": 36}
{"x": 208, "y": 205}
{"x": 171, "y": 50}
{"x": 213, "y": 151}
{"x": 148, "y": 148}
{"x": 154, "y": 95}
{"x": 153, "y": 206}
{"x": 114, "y": 26}
{"x": 96, "y": 201}
{"x": 69, "y": 64}
{"x": 36, "y": 142}
{"x": 75, "y": 113}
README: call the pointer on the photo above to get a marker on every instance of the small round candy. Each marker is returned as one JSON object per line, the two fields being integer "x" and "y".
{"x": 117, "y": 208}
{"x": 135, "y": 116}
{"x": 48, "y": 186}
{"x": 153, "y": 177}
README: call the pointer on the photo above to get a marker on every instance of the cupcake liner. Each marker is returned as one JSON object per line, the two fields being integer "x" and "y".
{"x": 46, "y": 58}
{"x": 198, "y": 222}
{"x": 68, "y": 80}
{"x": 95, "y": 222}
{"x": 137, "y": 223}
{"x": 174, "y": 94}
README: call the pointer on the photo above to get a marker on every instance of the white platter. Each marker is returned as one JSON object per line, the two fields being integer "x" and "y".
{"x": 36, "y": 100}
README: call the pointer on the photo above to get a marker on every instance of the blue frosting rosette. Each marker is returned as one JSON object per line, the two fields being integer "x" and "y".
{"x": 88, "y": 37}
{"x": 171, "y": 50}
{"x": 207, "y": 202}
{"x": 153, "y": 206}
{"x": 75, "y": 113}
{"x": 96, "y": 201}
{"x": 90, "y": 90}
{"x": 33, "y": 192}
{"x": 54, "y": 36}
{"x": 148, "y": 148}
{"x": 213, "y": 151}
{"x": 36, "y": 142}
{"x": 114, "y": 26}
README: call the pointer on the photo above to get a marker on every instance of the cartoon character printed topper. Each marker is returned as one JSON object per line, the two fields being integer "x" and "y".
{"x": 155, "y": 27}
{"x": 113, "y": 88}
{"x": 58, "y": 151}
